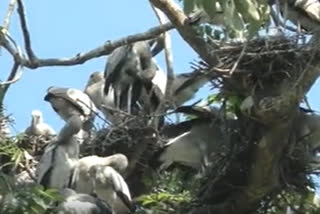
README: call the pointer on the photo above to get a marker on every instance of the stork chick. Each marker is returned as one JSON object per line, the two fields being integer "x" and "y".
{"x": 38, "y": 127}
{"x": 81, "y": 178}
{"x": 110, "y": 186}
{"x": 60, "y": 157}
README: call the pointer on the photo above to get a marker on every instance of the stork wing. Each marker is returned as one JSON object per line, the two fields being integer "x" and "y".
{"x": 121, "y": 188}
{"x": 45, "y": 165}
{"x": 113, "y": 66}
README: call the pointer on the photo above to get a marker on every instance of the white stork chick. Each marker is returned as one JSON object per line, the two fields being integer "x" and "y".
{"x": 38, "y": 127}
{"x": 60, "y": 157}
{"x": 81, "y": 177}
{"x": 79, "y": 203}
{"x": 67, "y": 102}
{"x": 110, "y": 186}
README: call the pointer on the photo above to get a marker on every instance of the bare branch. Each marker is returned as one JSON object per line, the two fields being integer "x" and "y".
{"x": 184, "y": 27}
{"x": 26, "y": 35}
{"x": 6, "y": 21}
{"x": 15, "y": 75}
{"x": 81, "y": 58}
{"x": 168, "y": 52}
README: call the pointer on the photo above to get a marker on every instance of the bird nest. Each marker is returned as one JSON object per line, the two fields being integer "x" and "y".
{"x": 260, "y": 63}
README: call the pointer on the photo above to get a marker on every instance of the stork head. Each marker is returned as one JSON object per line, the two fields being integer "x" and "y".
{"x": 94, "y": 78}
{"x": 36, "y": 117}
{"x": 119, "y": 162}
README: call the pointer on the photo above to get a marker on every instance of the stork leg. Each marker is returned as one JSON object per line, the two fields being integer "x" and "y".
{"x": 129, "y": 98}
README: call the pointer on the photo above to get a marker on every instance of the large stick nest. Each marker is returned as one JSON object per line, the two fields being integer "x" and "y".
{"x": 262, "y": 63}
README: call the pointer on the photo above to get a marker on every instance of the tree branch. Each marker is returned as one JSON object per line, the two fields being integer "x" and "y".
{"x": 25, "y": 31}
{"x": 81, "y": 58}
{"x": 184, "y": 27}
{"x": 6, "y": 21}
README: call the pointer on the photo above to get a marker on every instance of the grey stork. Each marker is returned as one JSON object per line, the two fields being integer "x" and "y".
{"x": 131, "y": 69}
{"x": 60, "y": 157}
{"x": 67, "y": 102}
{"x": 110, "y": 186}
{"x": 81, "y": 177}
{"x": 80, "y": 203}
{"x": 186, "y": 85}
{"x": 194, "y": 142}
{"x": 37, "y": 126}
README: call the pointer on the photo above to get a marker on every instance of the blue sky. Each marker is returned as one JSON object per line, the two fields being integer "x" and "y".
{"x": 64, "y": 28}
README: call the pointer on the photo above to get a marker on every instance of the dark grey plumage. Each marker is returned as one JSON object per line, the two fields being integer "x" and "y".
{"x": 129, "y": 70}
{"x": 79, "y": 203}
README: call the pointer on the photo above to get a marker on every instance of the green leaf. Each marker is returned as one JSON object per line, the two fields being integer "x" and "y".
{"x": 209, "y": 7}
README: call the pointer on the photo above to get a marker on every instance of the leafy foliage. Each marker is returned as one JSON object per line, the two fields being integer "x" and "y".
{"x": 29, "y": 200}
{"x": 240, "y": 18}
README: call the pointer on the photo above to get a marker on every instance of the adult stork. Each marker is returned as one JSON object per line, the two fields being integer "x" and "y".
{"x": 131, "y": 69}
{"x": 110, "y": 186}
{"x": 68, "y": 102}
{"x": 81, "y": 177}
{"x": 186, "y": 85}
{"x": 60, "y": 157}
{"x": 38, "y": 127}
{"x": 80, "y": 203}
{"x": 192, "y": 143}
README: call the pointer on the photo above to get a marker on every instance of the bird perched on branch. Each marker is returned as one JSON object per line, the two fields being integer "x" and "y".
{"x": 60, "y": 157}
{"x": 131, "y": 69}
{"x": 79, "y": 203}
{"x": 37, "y": 126}
{"x": 81, "y": 177}
{"x": 110, "y": 186}
{"x": 68, "y": 102}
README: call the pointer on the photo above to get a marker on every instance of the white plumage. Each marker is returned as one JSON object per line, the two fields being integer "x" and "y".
{"x": 110, "y": 186}
{"x": 37, "y": 126}
{"x": 60, "y": 157}
{"x": 81, "y": 178}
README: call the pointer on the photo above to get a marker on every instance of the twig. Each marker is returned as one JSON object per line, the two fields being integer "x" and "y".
{"x": 235, "y": 65}
{"x": 25, "y": 32}
{"x": 168, "y": 58}
{"x": 6, "y": 21}
{"x": 81, "y": 58}
{"x": 15, "y": 75}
